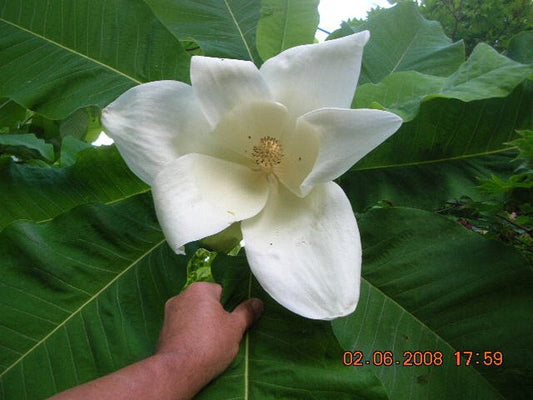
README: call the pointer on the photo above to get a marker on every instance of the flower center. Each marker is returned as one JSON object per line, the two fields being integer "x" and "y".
{"x": 268, "y": 153}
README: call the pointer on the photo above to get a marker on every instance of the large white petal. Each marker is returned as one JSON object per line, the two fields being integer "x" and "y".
{"x": 221, "y": 84}
{"x": 345, "y": 136}
{"x": 308, "y": 77}
{"x": 306, "y": 253}
{"x": 197, "y": 196}
{"x": 155, "y": 123}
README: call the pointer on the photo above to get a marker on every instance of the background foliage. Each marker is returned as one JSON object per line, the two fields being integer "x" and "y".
{"x": 475, "y": 21}
{"x": 84, "y": 267}
{"x": 494, "y": 22}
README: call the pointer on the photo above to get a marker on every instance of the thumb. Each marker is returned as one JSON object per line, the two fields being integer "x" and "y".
{"x": 246, "y": 313}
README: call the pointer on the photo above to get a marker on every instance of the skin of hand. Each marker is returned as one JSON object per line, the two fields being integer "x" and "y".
{"x": 197, "y": 326}
{"x": 198, "y": 341}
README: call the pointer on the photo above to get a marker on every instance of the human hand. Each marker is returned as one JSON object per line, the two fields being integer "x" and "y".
{"x": 197, "y": 327}
{"x": 198, "y": 341}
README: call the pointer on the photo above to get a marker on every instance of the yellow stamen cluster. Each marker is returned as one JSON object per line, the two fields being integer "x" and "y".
{"x": 268, "y": 153}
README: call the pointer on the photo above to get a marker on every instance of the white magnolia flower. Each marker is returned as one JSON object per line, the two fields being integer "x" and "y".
{"x": 261, "y": 146}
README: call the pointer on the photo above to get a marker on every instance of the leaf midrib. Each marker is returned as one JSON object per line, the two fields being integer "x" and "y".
{"x": 247, "y": 348}
{"x": 285, "y": 25}
{"x": 400, "y": 60}
{"x": 239, "y": 30}
{"x": 436, "y": 161}
{"x": 73, "y": 51}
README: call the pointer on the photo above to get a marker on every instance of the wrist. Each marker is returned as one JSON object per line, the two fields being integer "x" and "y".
{"x": 181, "y": 372}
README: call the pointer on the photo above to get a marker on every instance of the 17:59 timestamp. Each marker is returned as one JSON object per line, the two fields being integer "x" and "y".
{"x": 487, "y": 358}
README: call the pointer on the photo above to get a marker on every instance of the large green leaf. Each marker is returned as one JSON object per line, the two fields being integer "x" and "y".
{"x": 440, "y": 155}
{"x": 449, "y": 129}
{"x": 402, "y": 40}
{"x": 222, "y": 28}
{"x": 284, "y": 24}
{"x": 484, "y": 75}
{"x": 81, "y": 295}
{"x": 79, "y": 305}
{"x": 39, "y": 194}
{"x": 83, "y": 304}
{"x": 58, "y": 56}
{"x": 432, "y": 285}
{"x": 424, "y": 185}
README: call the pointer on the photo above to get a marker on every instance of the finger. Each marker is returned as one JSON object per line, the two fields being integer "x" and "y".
{"x": 247, "y": 313}
{"x": 213, "y": 290}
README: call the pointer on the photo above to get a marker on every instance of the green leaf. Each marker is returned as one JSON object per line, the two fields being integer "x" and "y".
{"x": 448, "y": 129}
{"x": 50, "y": 318}
{"x": 59, "y": 56}
{"x": 39, "y": 194}
{"x": 440, "y": 155}
{"x": 226, "y": 241}
{"x": 402, "y": 40}
{"x": 199, "y": 267}
{"x": 82, "y": 295}
{"x": 486, "y": 74}
{"x": 401, "y": 93}
{"x": 497, "y": 185}
{"x": 83, "y": 124}
{"x": 25, "y": 145}
{"x": 525, "y": 145}
{"x": 222, "y": 28}
{"x": 431, "y": 285}
{"x": 87, "y": 303}
{"x": 426, "y": 185}
{"x": 11, "y": 114}
{"x": 70, "y": 147}
{"x": 284, "y": 24}
{"x": 283, "y": 356}
{"x": 521, "y": 48}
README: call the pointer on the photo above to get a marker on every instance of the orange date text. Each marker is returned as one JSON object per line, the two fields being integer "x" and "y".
{"x": 388, "y": 358}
